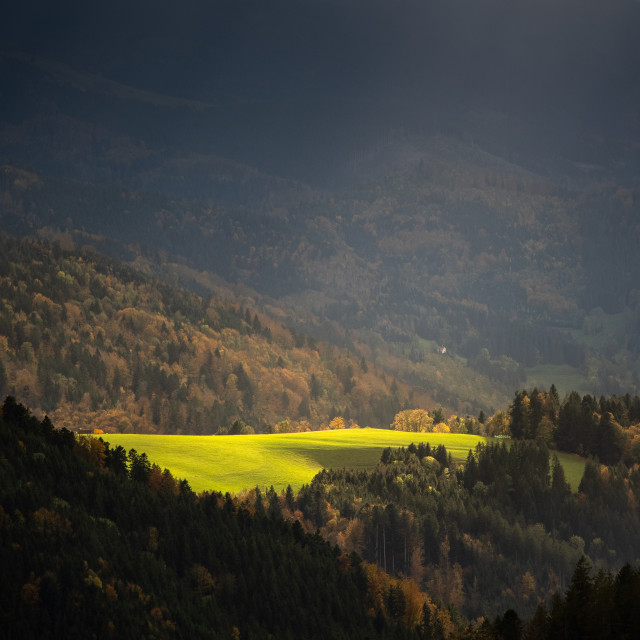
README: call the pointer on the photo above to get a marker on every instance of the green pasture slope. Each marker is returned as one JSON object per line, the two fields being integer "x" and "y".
{"x": 573, "y": 466}
{"x": 234, "y": 463}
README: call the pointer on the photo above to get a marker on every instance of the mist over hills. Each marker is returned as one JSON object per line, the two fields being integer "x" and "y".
{"x": 328, "y": 76}
{"x": 389, "y": 176}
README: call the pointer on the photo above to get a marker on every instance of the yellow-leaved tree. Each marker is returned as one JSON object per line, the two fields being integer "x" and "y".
{"x": 415, "y": 420}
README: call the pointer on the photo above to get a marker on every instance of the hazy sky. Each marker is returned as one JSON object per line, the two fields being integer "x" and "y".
{"x": 339, "y": 65}
{"x": 258, "y": 47}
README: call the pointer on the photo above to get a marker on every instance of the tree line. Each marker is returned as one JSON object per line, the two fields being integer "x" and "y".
{"x": 607, "y": 428}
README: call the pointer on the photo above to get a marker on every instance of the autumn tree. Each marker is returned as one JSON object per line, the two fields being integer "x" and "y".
{"x": 416, "y": 420}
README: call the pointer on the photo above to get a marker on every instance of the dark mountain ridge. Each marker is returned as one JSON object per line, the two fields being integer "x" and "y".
{"x": 334, "y": 76}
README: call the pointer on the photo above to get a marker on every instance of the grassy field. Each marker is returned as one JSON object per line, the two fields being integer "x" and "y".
{"x": 573, "y": 466}
{"x": 234, "y": 463}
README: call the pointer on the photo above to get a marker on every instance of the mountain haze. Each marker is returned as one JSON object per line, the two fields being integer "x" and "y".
{"x": 390, "y": 177}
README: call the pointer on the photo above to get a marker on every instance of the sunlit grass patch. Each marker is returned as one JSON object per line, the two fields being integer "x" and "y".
{"x": 573, "y": 466}
{"x": 234, "y": 463}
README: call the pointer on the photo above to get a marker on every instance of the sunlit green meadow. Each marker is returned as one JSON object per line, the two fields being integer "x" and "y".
{"x": 573, "y": 466}
{"x": 234, "y": 463}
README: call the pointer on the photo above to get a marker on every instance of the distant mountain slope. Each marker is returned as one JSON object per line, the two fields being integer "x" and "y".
{"x": 508, "y": 240}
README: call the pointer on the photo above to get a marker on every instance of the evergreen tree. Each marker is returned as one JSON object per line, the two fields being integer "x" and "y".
{"x": 304, "y": 409}
{"x": 555, "y": 400}
{"x": 438, "y": 415}
{"x": 591, "y": 483}
{"x": 538, "y": 627}
{"x": 396, "y": 602}
{"x": 587, "y": 442}
{"x": 274, "y": 509}
{"x": 259, "y": 504}
{"x": 426, "y": 627}
{"x": 139, "y": 466}
{"x": 608, "y": 440}
{"x": 315, "y": 388}
{"x": 116, "y": 460}
{"x": 509, "y": 626}
{"x": 519, "y": 413}
{"x": 470, "y": 471}
{"x": 237, "y": 427}
{"x": 289, "y": 498}
{"x": 559, "y": 485}
{"x": 567, "y": 435}
{"x": 578, "y": 601}
{"x": 556, "y": 629}
{"x": 626, "y": 603}
{"x": 3, "y": 379}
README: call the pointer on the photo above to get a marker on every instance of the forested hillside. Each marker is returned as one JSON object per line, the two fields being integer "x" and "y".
{"x": 96, "y": 344}
{"x": 98, "y": 542}
{"x": 95, "y": 540}
{"x": 503, "y": 532}
{"x": 468, "y": 230}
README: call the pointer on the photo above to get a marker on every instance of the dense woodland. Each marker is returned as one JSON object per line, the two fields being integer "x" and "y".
{"x": 504, "y": 531}
{"x": 94, "y": 343}
{"x": 607, "y": 428}
{"x": 98, "y": 541}
{"x": 101, "y": 541}
{"x": 389, "y": 222}
{"x": 518, "y": 275}
{"x": 509, "y": 507}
